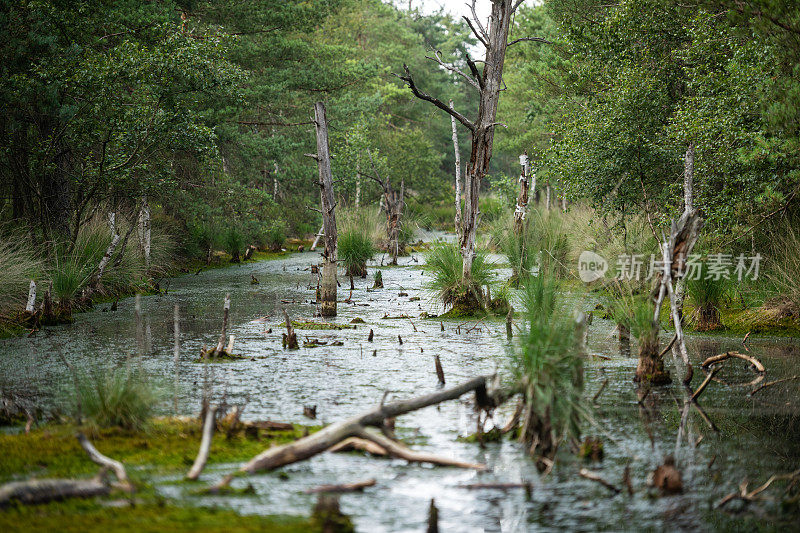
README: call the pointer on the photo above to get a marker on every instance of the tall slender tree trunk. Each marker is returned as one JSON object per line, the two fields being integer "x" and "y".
{"x": 358, "y": 186}
{"x": 328, "y": 285}
{"x": 458, "y": 174}
{"x": 483, "y": 133}
{"x": 144, "y": 231}
{"x": 522, "y": 200}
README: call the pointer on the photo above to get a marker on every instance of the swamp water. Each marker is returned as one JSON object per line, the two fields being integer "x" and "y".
{"x": 757, "y": 436}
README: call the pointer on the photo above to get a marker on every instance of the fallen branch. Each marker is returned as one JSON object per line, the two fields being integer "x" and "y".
{"x": 600, "y": 391}
{"x": 47, "y": 490}
{"x": 357, "y": 444}
{"x": 771, "y": 383}
{"x": 498, "y": 486}
{"x": 100, "y": 459}
{"x": 205, "y": 445}
{"x": 750, "y": 496}
{"x": 704, "y": 384}
{"x": 727, "y": 355}
{"x": 401, "y": 452}
{"x": 327, "y": 437}
{"x": 346, "y": 487}
{"x": 592, "y": 476}
{"x": 669, "y": 346}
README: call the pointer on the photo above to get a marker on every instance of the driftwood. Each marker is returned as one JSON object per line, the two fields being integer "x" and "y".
{"x": 345, "y": 487}
{"x": 749, "y": 496}
{"x": 327, "y": 437}
{"x": 399, "y": 451}
{"x": 35, "y": 491}
{"x": 498, "y": 486}
{"x": 47, "y": 490}
{"x": 727, "y": 355}
{"x": 358, "y": 444}
{"x": 205, "y": 445}
{"x": 106, "y": 462}
{"x": 771, "y": 383}
{"x": 592, "y": 476}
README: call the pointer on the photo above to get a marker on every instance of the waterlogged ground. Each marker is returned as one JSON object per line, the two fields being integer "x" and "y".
{"x": 757, "y": 436}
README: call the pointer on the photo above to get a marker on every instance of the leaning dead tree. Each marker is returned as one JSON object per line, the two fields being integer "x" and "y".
{"x": 489, "y": 84}
{"x": 356, "y": 426}
{"x": 325, "y": 182}
{"x": 393, "y": 203}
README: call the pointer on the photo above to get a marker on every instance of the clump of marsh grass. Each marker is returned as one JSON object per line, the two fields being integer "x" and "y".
{"x": 445, "y": 264}
{"x": 547, "y": 367}
{"x": 707, "y": 296}
{"x": 543, "y": 243}
{"x": 359, "y": 231}
{"x": 120, "y": 397}
{"x": 785, "y": 275}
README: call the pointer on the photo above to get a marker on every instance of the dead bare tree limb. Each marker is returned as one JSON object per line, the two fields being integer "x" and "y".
{"x": 205, "y": 445}
{"x": 592, "y": 476}
{"x": 345, "y": 487}
{"x": 100, "y": 459}
{"x": 327, "y": 437}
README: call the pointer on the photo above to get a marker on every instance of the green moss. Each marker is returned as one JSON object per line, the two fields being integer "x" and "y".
{"x": 87, "y": 515}
{"x": 167, "y": 445}
{"x": 297, "y": 324}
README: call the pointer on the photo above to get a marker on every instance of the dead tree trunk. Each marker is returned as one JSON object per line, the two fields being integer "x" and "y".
{"x": 144, "y": 231}
{"x": 393, "y": 203}
{"x": 101, "y": 268}
{"x": 489, "y": 83}
{"x": 328, "y": 287}
{"x": 458, "y": 174}
{"x": 522, "y": 200}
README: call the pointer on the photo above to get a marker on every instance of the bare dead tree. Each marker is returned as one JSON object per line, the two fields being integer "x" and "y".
{"x": 393, "y": 203}
{"x": 489, "y": 83}
{"x": 328, "y": 204}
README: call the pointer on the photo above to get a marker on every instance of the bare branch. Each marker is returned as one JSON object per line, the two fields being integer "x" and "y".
{"x": 438, "y": 103}
{"x": 314, "y": 209}
{"x": 484, "y": 33}
{"x": 438, "y": 58}
{"x": 516, "y": 5}
{"x": 533, "y": 39}
{"x": 477, "y": 34}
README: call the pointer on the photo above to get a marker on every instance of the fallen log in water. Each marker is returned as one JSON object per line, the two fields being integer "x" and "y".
{"x": 327, "y": 437}
{"x": 498, "y": 486}
{"x": 345, "y": 487}
{"x": 47, "y": 490}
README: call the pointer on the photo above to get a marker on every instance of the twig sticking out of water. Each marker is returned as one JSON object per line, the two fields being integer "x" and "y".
{"x": 592, "y": 476}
